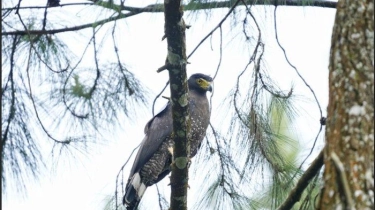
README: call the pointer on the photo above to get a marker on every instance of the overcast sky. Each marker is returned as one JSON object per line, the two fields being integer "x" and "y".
{"x": 305, "y": 34}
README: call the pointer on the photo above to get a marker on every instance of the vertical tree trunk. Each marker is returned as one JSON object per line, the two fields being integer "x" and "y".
{"x": 349, "y": 154}
{"x": 176, "y": 64}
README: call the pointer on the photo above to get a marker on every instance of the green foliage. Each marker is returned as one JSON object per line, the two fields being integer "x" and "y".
{"x": 78, "y": 89}
{"x": 283, "y": 181}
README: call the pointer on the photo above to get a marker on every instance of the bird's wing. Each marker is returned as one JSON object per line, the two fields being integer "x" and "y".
{"x": 156, "y": 131}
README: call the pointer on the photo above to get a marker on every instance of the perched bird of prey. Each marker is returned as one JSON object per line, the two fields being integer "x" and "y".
{"x": 154, "y": 157}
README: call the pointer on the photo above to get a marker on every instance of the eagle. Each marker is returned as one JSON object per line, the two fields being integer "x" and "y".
{"x": 154, "y": 156}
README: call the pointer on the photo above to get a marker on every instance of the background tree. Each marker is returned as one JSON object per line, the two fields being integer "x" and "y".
{"x": 73, "y": 103}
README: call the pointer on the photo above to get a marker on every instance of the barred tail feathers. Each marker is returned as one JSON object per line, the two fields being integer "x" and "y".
{"x": 134, "y": 192}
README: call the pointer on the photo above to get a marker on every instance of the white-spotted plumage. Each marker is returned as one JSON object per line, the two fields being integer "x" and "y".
{"x": 155, "y": 154}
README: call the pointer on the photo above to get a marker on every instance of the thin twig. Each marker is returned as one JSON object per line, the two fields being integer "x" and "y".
{"x": 311, "y": 150}
{"x": 251, "y": 60}
{"x": 67, "y": 141}
{"x": 12, "y": 109}
{"x": 157, "y": 96}
{"x": 214, "y": 29}
{"x": 18, "y": 7}
{"x": 218, "y": 65}
{"x": 45, "y": 17}
{"x": 220, "y": 53}
{"x": 130, "y": 90}
{"x": 160, "y": 205}
{"x": 160, "y": 196}
{"x": 46, "y": 64}
{"x": 277, "y": 94}
{"x": 93, "y": 88}
{"x": 118, "y": 174}
{"x": 291, "y": 65}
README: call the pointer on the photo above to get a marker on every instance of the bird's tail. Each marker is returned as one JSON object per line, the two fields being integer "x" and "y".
{"x": 134, "y": 192}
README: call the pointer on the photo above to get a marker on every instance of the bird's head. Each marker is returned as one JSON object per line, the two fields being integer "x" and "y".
{"x": 200, "y": 83}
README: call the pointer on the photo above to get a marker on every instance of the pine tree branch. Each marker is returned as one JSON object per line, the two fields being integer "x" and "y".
{"x": 12, "y": 109}
{"x": 303, "y": 182}
{"x": 159, "y": 8}
{"x": 227, "y": 4}
{"x": 75, "y": 28}
{"x": 193, "y": 5}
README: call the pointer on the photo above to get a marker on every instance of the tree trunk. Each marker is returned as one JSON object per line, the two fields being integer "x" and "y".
{"x": 349, "y": 154}
{"x": 176, "y": 64}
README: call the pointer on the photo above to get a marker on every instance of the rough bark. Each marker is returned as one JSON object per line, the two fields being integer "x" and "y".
{"x": 349, "y": 154}
{"x": 176, "y": 65}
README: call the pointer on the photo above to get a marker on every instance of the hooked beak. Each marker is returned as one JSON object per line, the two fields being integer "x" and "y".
{"x": 209, "y": 88}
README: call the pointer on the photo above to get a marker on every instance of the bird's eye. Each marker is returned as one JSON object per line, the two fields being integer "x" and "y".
{"x": 199, "y": 81}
